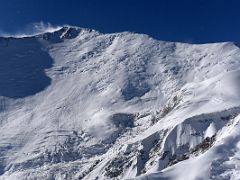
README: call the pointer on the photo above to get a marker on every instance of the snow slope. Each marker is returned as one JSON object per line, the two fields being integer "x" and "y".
{"x": 78, "y": 104}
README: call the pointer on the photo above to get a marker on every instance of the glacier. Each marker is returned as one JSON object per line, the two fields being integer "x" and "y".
{"x": 79, "y": 104}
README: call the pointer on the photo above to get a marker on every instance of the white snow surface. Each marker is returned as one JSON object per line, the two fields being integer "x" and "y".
{"x": 79, "y": 104}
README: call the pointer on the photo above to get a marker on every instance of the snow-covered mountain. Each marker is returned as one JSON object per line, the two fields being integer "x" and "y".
{"x": 78, "y": 104}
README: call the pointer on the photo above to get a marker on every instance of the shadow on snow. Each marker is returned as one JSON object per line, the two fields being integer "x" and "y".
{"x": 22, "y": 65}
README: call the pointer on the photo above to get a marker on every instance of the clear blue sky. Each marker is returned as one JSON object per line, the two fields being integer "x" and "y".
{"x": 197, "y": 21}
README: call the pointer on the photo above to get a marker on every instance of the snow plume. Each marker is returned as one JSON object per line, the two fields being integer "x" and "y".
{"x": 41, "y": 27}
{"x": 32, "y": 29}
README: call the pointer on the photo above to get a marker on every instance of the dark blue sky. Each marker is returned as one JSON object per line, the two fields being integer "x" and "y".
{"x": 197, "y": 21}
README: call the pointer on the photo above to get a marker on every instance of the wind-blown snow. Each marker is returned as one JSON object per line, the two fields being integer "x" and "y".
{"x": 78, "y": 104}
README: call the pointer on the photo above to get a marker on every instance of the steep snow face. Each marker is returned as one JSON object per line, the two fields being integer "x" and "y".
{"x": 78, "y": 104}
{"x": 219, "y": 162}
